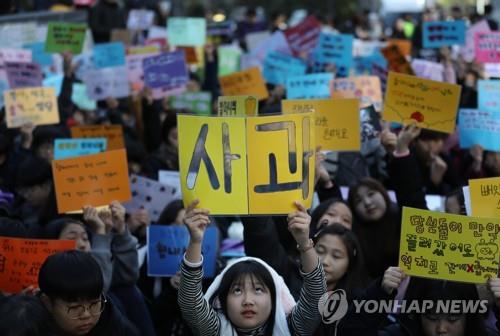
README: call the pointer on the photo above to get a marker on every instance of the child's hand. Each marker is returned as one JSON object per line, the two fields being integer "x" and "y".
{"x": 298, "y": 224}
{"x": 393, "y": 277}
{"x": 196, "y": 221}
{"x": 91, "y": 218}
{"x": 118, "y": 216}
{"x": 105, "y": 216}
{"x": 406, "y": 136}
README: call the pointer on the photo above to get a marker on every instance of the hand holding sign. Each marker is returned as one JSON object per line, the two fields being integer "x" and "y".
{"x": 92, "y": 219}
{"x": 298, "y": 224}
{"x": 393, "y": 277}
{"x": 196, "y": 221}
{"x": 406, "y": 136}
{"x": 118, "y": 215}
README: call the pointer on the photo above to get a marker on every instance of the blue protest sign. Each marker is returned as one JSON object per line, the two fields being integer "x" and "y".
{"x": 478, "y": 127}
{"x": 39, "y": 55}
{"x": 488, "y": 98}
{"x": 436, "y": 34}
{"x": 168, "y": 70}
{"x": 54, "y": 81}
{"x": 309, "y": 86}
{"x": 108, "y": 55}
{"x": 334, "y": 49}
{"x": 278, "y": 66}
{"x": 166, "y": 247}
{"x": 68, "y": 148}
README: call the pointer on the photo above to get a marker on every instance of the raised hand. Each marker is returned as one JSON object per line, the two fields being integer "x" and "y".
{"x": 298, "y": 224}
{"x": 406, "y": 136}
{"x": 393, "y": 277}
{"x": 118, "y": 217}
{"x": 91, "y": 218}
{"x": 196, "y": 221}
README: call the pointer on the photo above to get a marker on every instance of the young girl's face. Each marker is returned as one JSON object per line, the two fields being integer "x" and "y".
{"x": 451, "y": 325}
{"x": 334, "y": 257}
{"x": 77, "y": 233}
{"x": 369, "y": 204}
{"x": 338, "y": 212}
{"x": 249, "y": 303}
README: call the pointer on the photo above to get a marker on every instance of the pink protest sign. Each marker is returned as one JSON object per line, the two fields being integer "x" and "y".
{"x": 23, "y": 75}
{"x": 304, "y": 36}
{"x": 487, "y": 47}
{"x": 468, "y": 50}
{"x": 15, "y": 55}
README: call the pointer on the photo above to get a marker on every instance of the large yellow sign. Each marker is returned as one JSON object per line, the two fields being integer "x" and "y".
{"x": 247, "y": 165}
{"x": 449, "y": 247}
{"x": 485, "y": 197}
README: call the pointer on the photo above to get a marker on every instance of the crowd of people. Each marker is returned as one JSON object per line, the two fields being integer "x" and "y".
{"x": 352, "y": 243}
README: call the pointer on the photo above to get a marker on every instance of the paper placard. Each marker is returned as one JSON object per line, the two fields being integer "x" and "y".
{"x": 244, "y": 83}
{"x": 436, "y": 34}
{"x": 15, "y": 55}
{"x": 135, "y": 70}
{"x": 485, "y": 197}
{"x": 276, "y": 42}
{"x": 427, "y": 69}
{"x": 113, "y": 133}
{"x": 107, "y": 55}
{"x": 55, "y": 82}
{"x": 334, "y": 49}
{"x": 237, "y": 106}
{"x": 304, "y": 36}
{"x": 68, "y": 148}
{"x": 21, "y": 259}
{"x": 94, "y": 180}
{"x": 487, "y": 45}
{"x": 468, "y": 51}
{"x": 251, "y": 165}
{"x": 430, "y": 104}
{"x": 365, "y": 88}
{"x": 22, "y": 75}
{"x": 35, "y": 105}
{"x": 228, "y": 59}
{"x": 448, "y": 247}
{"x": 403, "y": 45}
{"x": 171, "y": 178}
{"x": 140, "y": 19}
{"x": 397, "y": 61}
{"x": 479, "y": 127}
{"x": 492, "y": 70}
{"x": 107, "y": 82}
{"x": 255, "y": 40}
{"x": 63, "y": 37}
{"x": 167, "y": 70}
{"x": 488, "y": 98}
{"x": 309, "y": 86}
{"x": 186, "y": 31}
{"x": 278, "y": 67}
{"x": 166, "y": 247}
{"x": 149, "y": 49}
{"x": 197, "y": 102}
{"x": 80, "y": 99}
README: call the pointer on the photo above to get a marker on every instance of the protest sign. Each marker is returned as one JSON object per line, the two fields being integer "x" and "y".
{"x": 276, "y": 42}
{"x": 334, "y": 49}
{"x": 54, "y": 82}
{"x": 397, "y": 62}
{"x": 244, "y": 83}
{"x": 39, "y": 55}
{"x": 224, "y": 28}
{"x": 95, "y": 180}
{"x": 68, "y": 148}
{"x": 135, "y": 70}
{"x": 150, "y": 195}
{"x": 382, "y": 73}
{"x": 63, "y": 37}
{"x": 256, "y": 40}
{"x": 309, "y": 86}
{"x": 278, "y": 67}
{"x": 468, "y": 51}
{"x": 448, "y": 247}
{"x": 404, "y": 46}
{"x": 488, "y": 98}
{"x": 228, "y": 59}
{"x": 487, "y": 45}
{"x": 141, "y": 50}
{"x": 492, "y": 70}
{"x": 436, "y": 34}
{"x": 113, "y": 133}
{"x": 107, "y": 82}
{"x": 430, "y": 104}
{"x": 427, "y": 69}
{"x": 362, "y": 66}
{"x": 197, "y": 102}
{"x": 80, "y": 99}
{"x": 107, "y": 55}
{"x": 485, "y": 197}
{"x": 186, "y": 31}
{"x": 252, "y": 165}
{"x": 361, "y": 48}
{"x": 303, "y": 37}
{"x": 140, "y": 19}
{"x": 124, "y": 36}
{"x": 21, "y": 259}
{"x": 22, "y": 75}
{"x": 34, "y": 105}
{"x": 83, "y": 63}
{"x": 167, "y": 70}
{"x": 237, "y": 106}
{"x": 15, "y": 35}
{"x": 167, "y": 245}
{"x": 365, "y": 88}
{"x": 479, "y": 128}
{"x": 15, "y": 55}
{"x": 171, "y": 178}
{"x": 370, "y": 130}
{"x": 336, "y": 121}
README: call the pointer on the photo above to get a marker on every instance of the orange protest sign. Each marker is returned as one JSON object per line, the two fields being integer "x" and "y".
{"x": 244, "y": 83}
{"x": 114, "y": 134}
{"x": 403, "y": 45}
{"x": 397, "y": 61}
{"x": 21, "y": 259}
{"x": 91, "y": 180}
{"x": 365, "y": 88}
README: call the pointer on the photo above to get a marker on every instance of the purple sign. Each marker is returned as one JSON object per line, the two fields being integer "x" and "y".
{"x": 168, "y": 70}
{"x": 21, "y": 75}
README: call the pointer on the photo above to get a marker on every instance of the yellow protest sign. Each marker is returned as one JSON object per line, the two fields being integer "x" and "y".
{"x": 448, "y": 247}
{"x": 237, "y": 106}
{"x": 247, "y": 165}
{"x": 35, "y": 105}
{"x": 431, "y": 104}
{"x": 365, "y": 88}
{"x": 243, "y": 83}
{"x": 485, "y": 197}
{"x": 337, "y": 121}
{"x": 143, "y": 50}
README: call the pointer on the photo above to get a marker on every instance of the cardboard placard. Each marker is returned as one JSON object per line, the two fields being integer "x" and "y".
{"x": 334, "y": 49}
{"x": 23, "y": 75}
{"x": 68, "y": 148}
{"x": 107, "y": 82}
{"x": 309, "y": 86}
{"x": 140, "y": 19}
{"x": 237, "y": 106}
{"x": 168, "y": 70}
{"x": 95, "y": 180}
{"x": 107, "y": 55}
{"x": 487, "y": 46}
{"x": 479, "y": 127}
{"x": 485, "y": 197}
{"x": 197, "y": 102}
{"x": 436, "y": 34}
{"x": 35, "y": 105}
{"x": 186, "y": 31}
{"x": 365, "y": 88}
{"x": 278, "y": 67}
{"x": 62, "y": 37}
{"x": 113, "y": 133}
{"x": 427, "y": 69}
{"x": 488, "y": 98}
{"x": 244, "y": 83}
{"x": 304, "y": 36}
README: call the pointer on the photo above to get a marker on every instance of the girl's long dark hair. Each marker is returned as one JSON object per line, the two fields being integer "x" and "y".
{"x": 237, "y": 274}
